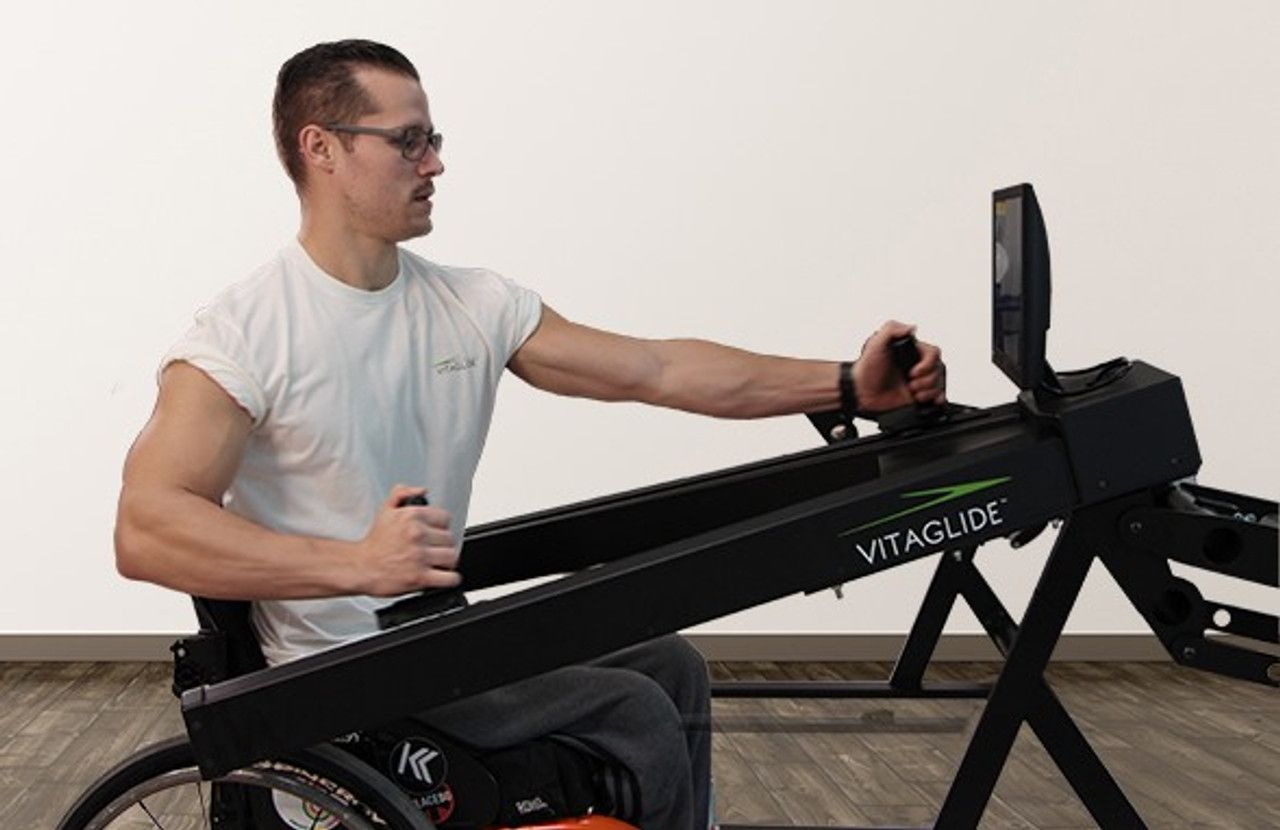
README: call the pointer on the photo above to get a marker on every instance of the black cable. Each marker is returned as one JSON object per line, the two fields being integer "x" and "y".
{"x": 1104, "y": 374}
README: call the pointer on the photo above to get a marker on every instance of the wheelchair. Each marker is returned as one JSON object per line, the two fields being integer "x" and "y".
{"x": 407, "y": 775}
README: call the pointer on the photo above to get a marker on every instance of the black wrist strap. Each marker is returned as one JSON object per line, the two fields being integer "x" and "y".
{"x": 848, "y": 395}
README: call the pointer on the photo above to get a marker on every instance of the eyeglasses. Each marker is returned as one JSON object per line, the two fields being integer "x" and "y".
{"x": 412, "y": 141}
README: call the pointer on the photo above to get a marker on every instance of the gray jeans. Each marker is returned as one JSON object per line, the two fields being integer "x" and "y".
{"x": 648, "y": 706}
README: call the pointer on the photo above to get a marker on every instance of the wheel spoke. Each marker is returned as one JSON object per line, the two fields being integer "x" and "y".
{"x": 150, "y": 815}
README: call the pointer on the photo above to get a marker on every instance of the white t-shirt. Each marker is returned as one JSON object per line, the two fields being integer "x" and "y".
{"x": 352, "y": 392}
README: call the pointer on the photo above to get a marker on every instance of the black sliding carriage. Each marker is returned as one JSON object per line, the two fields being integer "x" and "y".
{"x": 1104, "y": 451}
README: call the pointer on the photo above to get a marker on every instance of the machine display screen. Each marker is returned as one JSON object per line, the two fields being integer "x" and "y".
{"x": 1020, "y": 286}
{"x": 1007, "y": 277}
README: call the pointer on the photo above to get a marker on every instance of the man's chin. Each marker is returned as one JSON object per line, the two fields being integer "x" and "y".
{"x": 415, "y": 230}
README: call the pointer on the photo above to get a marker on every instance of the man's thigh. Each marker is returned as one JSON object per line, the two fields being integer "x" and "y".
{"x": 574, "y": 700}
{"x": 660, "y": 658}
{"x": 675, "y": 665}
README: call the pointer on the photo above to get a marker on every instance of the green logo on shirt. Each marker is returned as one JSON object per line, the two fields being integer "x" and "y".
{"x": 454, "y": 364}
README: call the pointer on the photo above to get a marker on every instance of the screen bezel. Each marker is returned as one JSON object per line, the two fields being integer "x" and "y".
{"x": 1027, "y": 369}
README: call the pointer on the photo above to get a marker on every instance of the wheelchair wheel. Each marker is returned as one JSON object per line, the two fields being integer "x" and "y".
{"x": 314, "y": 789}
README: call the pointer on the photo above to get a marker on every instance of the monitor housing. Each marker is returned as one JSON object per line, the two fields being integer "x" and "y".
{"x": 1020, "y": 287}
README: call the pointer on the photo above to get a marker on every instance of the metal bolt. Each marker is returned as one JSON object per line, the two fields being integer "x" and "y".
{"x": 1102, "y": 484}
{"x": 957, "y": 555}
{"x": 1189, "y": 653}
{"x": 1273, "y": 672}
{"x": 838, "y": 432}
{"x": 1174, "y": 461}
{"x": 1135, "y": 528}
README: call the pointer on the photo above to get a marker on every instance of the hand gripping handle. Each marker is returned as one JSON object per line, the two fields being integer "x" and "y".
{"x": 433, "y": 602}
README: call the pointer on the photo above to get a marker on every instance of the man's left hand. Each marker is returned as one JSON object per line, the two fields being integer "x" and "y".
{"x": 880, "y": 386}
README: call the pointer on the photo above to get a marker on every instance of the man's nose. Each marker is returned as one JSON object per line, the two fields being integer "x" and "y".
{"x": 430, "y": 165}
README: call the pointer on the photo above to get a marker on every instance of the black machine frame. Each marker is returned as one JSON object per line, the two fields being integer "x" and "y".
{"x": 1109, "y": 464}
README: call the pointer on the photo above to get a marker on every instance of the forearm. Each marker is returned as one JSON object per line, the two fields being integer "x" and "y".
{"x": 183, "y": 541}
{"x": 699, "y": 376}
{"x": 712, "y": 379}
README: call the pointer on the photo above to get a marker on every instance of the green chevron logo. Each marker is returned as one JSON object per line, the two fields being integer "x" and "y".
{"x": 935, "y": 496}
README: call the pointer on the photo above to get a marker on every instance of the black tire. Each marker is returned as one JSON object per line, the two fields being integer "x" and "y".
{"x": 353, "y": 782}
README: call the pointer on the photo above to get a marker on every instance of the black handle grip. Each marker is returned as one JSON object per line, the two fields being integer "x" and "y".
{"x": 906, "y": 354}
{"x": 431, "y": 602}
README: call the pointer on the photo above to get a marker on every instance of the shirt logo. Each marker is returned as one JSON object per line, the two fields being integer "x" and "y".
{"x": 454, "y": 364}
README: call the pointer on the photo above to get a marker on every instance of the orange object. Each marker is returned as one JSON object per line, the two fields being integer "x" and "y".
{"x": 585, "y": 823}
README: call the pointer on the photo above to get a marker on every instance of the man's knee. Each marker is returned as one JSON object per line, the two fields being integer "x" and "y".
{"x": 694, "y": 664}
{"x": 692, "y": 681}
{"x": 643, "y": 701}
{"x": 682, "y": 659}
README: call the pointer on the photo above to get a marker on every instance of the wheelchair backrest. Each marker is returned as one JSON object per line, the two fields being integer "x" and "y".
{"x": 231, "y": 618}
{"x": 225, "y": 646}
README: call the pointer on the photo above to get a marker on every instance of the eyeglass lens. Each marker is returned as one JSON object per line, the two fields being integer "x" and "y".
{"x": 417, "y": 141}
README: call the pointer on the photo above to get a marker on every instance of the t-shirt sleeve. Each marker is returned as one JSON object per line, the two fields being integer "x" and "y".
{"x": 217, "y": 347}
{"x": 522, "y": 311}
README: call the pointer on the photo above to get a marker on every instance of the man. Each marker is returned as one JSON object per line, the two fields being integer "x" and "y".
{"x": 291, "y": 416}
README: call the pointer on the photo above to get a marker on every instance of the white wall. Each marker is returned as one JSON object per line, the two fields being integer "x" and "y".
{"x": 779, "y": 176}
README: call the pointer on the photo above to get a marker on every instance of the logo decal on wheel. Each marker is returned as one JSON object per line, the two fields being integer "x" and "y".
{"x": 418, "y": 766}
{"x": 298, "y": 814}
{"x": 438, "y": 805}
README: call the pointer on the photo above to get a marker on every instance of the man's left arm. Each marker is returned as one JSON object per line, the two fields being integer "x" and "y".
{"x": 712, "y": 379}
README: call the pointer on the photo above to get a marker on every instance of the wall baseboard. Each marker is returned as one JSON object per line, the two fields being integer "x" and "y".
{"x": 885, "y": 647}
{"x": 768, "y": 647}
{"x": 95, "y": 648}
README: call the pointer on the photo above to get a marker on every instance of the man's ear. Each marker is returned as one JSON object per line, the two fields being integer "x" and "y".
{"x": 317, "y": 148}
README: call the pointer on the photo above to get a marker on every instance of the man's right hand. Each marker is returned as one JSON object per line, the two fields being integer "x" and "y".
{"x": 407, "y": 548}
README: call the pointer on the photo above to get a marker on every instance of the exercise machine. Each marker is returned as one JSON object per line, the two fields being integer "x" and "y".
{"x": 1105, "y": 454}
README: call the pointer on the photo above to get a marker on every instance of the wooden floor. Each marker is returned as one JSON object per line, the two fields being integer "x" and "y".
{"x": 1191, "y": 750}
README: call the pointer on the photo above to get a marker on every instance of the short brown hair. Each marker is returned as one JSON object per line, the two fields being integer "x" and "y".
{"x": 318, "y": 86}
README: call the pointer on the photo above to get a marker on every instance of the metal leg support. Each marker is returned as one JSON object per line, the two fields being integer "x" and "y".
{"x": 1020, "y": 696}
{"x": 1079, "y": 764}
{"x": 908, "y": 672}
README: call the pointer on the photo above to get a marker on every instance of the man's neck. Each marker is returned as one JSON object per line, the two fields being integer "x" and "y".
{"x": 358, "y": 261}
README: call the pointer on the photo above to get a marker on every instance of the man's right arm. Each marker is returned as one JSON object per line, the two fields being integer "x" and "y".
{"x": 171, "y": 528}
